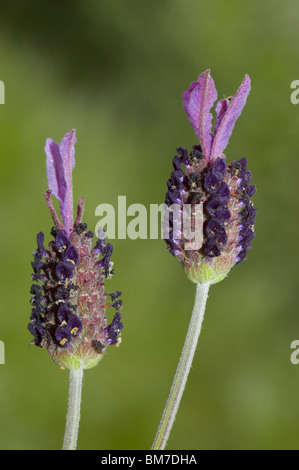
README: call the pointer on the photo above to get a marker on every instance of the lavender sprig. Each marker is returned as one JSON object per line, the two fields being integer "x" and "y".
{"x": 69, "y": 315}
{"x": 224, "y": 191}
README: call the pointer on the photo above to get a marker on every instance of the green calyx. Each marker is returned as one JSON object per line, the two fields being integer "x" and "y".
{"x": 204, "y": 273}
{"x": 71, "y": 360}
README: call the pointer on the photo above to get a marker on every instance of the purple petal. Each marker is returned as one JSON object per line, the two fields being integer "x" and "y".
{"x": 226, "y": 118}
{"x": 221, "y": 108}
{"x": 197, "y": 101}
{"x": 55, "y": 170}
{"x": 60, "y": 163}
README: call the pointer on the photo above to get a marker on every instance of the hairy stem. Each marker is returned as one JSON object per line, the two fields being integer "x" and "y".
{"x": 73, "y": 412}
{"x": 183, "y": 368}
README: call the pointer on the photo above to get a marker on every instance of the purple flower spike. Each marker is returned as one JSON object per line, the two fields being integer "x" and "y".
{"x": 198, "y": 101}
{"x": 227, "y": 220}
{"x": 69, "y": 301}
{"x": 60, "y": 163}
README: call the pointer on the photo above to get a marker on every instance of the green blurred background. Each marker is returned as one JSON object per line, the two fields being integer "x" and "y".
{"x": 115, "y": 70}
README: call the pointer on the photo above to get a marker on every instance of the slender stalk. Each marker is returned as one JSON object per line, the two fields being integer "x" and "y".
{"x": 73, "y": 412}
{"x": 183, "y": 368}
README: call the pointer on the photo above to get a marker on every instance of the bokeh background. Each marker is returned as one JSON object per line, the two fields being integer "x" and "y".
{"x": 115, "y": 71}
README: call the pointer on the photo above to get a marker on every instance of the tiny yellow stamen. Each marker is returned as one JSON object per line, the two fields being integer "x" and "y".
{"x": 63, "y": 341}
{"x": 75, "y": 330}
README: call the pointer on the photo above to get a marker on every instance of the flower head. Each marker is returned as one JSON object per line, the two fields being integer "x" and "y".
{"x": 223, "y": 190}
{"x": 69, "y": 314}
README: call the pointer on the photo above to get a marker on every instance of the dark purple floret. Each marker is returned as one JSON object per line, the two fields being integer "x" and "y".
{"x": 247, "y": 234}
{"x": 117, "y": 304}
{"x": 221, "y": 239}
{"x": 238, "y": 168}
{"x": 212, "y": 181}
{"x": 216, "y": 234}
{"x": 174, "y": 197}
{"x": 223, "y": 193}
{"x": 107, "y": 251}
{"x": 177, "y": 175}
{"x": 213, "y": 227}
{"x": 176, "y": 162}
{"x": 71, "y": 255}
{"x": 184, "y": 155}
{"x": 63, "y": 335}
{"x": 37, "y": 331}
{"x": 196, "y": 154}
{"x": 61, "y": 240}
{"x": 40, "y": 244}
{"x": 36, "y": 289}
{"x": 38, "y": 310}
{"x": 251, "y": 190}
{"x": 223, "y": 216}
{"x": 219, "y": 166}
{"x": 82, "y": 227}
{"x": 211, "y": 249}
{"x": 37, "y": 265}
{"x": 38, "y": 300}
{"x": 74, "y": 324}
{"x": 112, "y": 331}
{"x": 62, "y": 293}
{"x": 64, "y": 271}
{"x": 100, "y": 246}
{"x": 241, "y": 256}
{"x": 63, "y": 313}
{"x": 115, "y": 295}
{"x": 216, "y": 209}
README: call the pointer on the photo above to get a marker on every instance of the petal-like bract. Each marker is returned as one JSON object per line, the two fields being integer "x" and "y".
{"x": 227, "y": 115}
{"x": 60, "y": 163}
{"x": 198, "y": 101}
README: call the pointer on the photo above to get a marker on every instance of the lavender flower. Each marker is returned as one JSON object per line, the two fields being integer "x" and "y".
{"x": 203, "y": 177}
{"x": 69, "y": 300}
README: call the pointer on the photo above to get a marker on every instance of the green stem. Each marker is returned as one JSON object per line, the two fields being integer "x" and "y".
{"x": 183, "y": 368}
{"x": 73, "y": 412}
